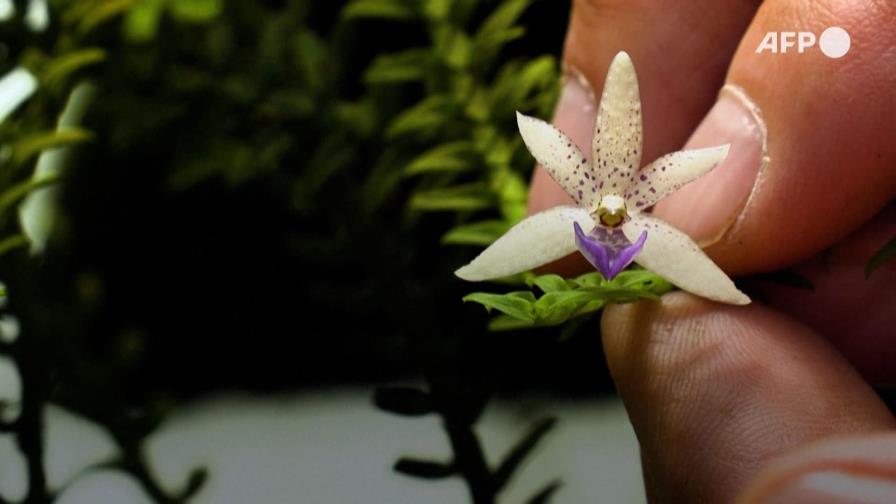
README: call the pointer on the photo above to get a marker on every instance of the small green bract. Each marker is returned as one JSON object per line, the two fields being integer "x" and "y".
{"x": 564, "y": 299}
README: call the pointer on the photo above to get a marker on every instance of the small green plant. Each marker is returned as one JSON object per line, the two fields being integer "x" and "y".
{"x": 564, "y": 299}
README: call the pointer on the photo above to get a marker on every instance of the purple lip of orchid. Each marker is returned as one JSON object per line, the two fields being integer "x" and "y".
{"x": 608, "y": 250}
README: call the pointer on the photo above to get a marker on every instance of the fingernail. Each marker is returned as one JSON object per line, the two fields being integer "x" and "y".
{"x": 834, "y": 487}
{"x": 574, "y": 115}
{"x": 708, "y": 207}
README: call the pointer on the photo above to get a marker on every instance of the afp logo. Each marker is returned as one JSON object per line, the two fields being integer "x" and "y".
{"x": 833, "y": 42}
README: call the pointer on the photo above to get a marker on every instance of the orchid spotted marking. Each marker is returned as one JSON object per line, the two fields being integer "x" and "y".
{"x": 611, "y": 193}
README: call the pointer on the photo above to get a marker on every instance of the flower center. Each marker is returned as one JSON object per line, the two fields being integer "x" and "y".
{"x": 611, "y": 212}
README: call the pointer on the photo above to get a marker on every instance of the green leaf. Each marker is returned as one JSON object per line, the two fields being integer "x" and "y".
{"x": 381, "y": 181}
{"x": 513, "y": 194}
{"x": 642, "y": 280}
{"x": 30, "y": 146}
{"x": 405, "y": 66}
{"x": 92, "y": 14}
{"x": 311, "y": 55}
{"x": 521, "y": 451}
{"x": 18, "y": 191}
{"x": 591, "y": 279}
{"x": 194, "y": 11}
{"x": 515, "y": 304}
{"x": 452, "y": 157}
{"x": 436, "y": 10}
{"x": 564, "y": 299}
{"x": 9, "y": 244}
{"x": 634, "y": 278}
{"x": 466, "y": 197}
{"x": 424, "y": 469}
{"x": 404, "y": 401}
{"x": 558, "y": 306}
{"x": 516, "y": 85}
{"x": 507, "y": 323}
{"x": 60, "y": 68}
{"x": 141, "y": 23}
{"x": 497, "y": 30}
{"x": 551, "y": 283}
{"x": 425, "y": 117}
{"x": 886, "y": 253}
{"x": 478, "y": 233}
{"x": 384, "y": 9}
{"x": 488, "y": 46}
{"x": 453, "y": 47}
{"x": 503, "y": 17}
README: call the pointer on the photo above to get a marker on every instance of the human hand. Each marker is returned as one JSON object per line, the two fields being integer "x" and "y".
{"x": 750, "y": 401}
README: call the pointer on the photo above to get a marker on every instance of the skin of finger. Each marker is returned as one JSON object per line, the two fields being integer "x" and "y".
{"x": 714, "y": 392}
{"x": 872, "y": 456}
{"x": 855, "y": 313}
{"x": 681, "y": 50}
{"x": 831, "y": 124}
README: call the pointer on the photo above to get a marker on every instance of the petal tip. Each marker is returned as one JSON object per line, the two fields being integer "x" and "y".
{"x": 723, "y": 151}
{"x": 467, "y": 273}
{"x": 733, "y": 297}
{"x": 622, "y": 62}
{"x": 622, "y": 57}
{"x": 742, "y": 299}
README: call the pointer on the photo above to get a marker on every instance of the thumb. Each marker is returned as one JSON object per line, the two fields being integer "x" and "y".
{"x": 715, "y": 392}
{"x": 848, "y": 470}
{"x": 812, "y": 153}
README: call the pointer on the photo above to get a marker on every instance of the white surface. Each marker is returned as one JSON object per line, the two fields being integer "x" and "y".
{"x": 15, "y": 87}
{"x": 335, "y": 447}
{"x": 7, "y": 10}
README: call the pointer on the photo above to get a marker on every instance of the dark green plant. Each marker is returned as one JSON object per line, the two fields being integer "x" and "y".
{"x": 458, "y": 142}
{"x": 264, "y": 148}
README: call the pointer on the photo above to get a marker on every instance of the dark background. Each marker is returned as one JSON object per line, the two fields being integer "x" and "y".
{"x": 166, "y": 291}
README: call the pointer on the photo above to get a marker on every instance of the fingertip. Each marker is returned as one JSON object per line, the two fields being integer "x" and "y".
{"x": 842, "y": 469}
{"x": 705, "y": 382}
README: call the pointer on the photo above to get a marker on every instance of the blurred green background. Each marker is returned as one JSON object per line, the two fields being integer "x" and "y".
{"x": 271, "y": 196}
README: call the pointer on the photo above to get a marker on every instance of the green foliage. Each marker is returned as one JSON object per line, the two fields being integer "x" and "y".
{"x": 458, "y": 143}
{"x": 338, "y": 147}
{"x": 384, "y": 9}
{"x": 478, "y": 233}
{"x": 886, "y": 253}
{"x": 143, "y": 17}
{"x": 26, "y": 148}
{"x": 9, "y": 244}
{"x": 563, "y": 299}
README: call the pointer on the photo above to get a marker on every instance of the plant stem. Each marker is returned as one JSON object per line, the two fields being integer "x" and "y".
{"x": 29, "y": 427}
{"x": 470, "y": 460}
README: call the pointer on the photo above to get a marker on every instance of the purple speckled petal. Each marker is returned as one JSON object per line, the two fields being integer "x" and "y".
{"x": 608, "y": 250}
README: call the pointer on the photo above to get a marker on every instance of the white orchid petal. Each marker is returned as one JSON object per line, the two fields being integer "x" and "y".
{"x": 617, "y": 131}
{"x": 673, "y": 255}
{"x": 670, "y": 172}
{"x": 537, "y": 240}
{"x": 561, "y": 158}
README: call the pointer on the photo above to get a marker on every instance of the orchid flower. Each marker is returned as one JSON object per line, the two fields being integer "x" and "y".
{"x": 609, "y": 225}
